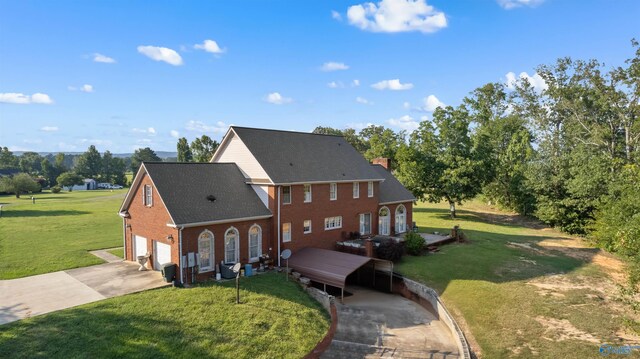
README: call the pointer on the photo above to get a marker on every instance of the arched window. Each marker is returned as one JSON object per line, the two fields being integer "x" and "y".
{"x": 231, "y": 245}
{"x": 384, "y": 221}
{"x": 401, "y": 219}
{"x": 205, "y": 251}
{"x": 255, "y": 242}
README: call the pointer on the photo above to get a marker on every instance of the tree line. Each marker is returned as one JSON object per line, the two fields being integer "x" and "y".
{"x": 567, "y": 154}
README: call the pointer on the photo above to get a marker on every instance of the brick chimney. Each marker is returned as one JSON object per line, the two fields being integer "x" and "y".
{"x": 384, "y": 162}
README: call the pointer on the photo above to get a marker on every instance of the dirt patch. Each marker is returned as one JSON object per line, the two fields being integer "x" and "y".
{"x": 559, "y": 283}
{"x": 561, "y": 329}
{"x": 519, "y": 349}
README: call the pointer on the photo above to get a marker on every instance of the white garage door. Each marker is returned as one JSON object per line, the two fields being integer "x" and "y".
{"x": 162, "y": 254}
{"x": 140, "y": 248}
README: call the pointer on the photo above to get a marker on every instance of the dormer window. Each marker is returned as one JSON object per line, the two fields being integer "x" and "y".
{"x": 147, "y": 197}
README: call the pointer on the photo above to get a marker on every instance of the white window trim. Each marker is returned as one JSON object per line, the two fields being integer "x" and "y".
{"x": 397, "y": 227}
{"x": 329, "y": 220}
{"x": 362, "y": 222}
{"x": 211, "y": 252}
{"x": 237, "y": 249}
{"x": 356, "y": 189}
{"x": 310, "y": 226}
{"x": 254, "y": 259}
{"x": 147, "y": 198}
{"x": 290, "y": 195}
{"x": 370, "y": 189}
{"x": 284, "y": 238}
{"x": 388, "y": 216}
{"x": 333, "y": 191}
{"x": 305, "y": 195}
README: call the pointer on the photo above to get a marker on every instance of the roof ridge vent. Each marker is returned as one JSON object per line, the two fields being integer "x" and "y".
{"x": 211, "y": 198}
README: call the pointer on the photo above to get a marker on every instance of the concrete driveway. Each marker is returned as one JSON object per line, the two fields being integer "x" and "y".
{"x": 30, "y": 296}
{"x": 372, "y": 324}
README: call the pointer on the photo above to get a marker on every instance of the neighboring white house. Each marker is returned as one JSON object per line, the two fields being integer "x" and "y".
{"x": 88, "y": 184}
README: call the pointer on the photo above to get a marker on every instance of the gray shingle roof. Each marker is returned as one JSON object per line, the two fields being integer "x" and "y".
{"x": 391, "y": 190}
{"x": 295, "y": 157}
{"x": 184, "y": 188}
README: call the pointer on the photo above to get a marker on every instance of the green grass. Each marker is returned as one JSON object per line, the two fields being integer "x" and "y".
{"x": 117, "y": 252}
{"x": 276, "y": 319}
{"x": 484, "y": 283}
{"x": 57, "y": 231}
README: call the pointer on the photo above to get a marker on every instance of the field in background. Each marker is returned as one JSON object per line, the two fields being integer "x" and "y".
{"x": 522, "y": 290}
{"x": 57, "y": 231}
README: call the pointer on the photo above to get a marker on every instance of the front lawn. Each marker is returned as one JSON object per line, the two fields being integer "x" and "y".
{"x": 119, "y": 252}
{"x": 522, "y": 291}
{"x": 276, "y": 319}
{"x": 57, "y": 231}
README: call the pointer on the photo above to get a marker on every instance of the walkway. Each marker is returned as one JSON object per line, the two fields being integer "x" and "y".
{"x": 30, "y": 296}
{"x": 372, "y": 324}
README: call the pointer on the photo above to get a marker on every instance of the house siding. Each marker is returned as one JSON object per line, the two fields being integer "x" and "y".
{"x": 234, "y": 150}
{"x": 149, "y": 222}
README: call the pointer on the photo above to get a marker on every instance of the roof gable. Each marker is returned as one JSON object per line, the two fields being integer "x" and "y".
{"x": 391, "y": 190}
{"x": 298, "y": 157}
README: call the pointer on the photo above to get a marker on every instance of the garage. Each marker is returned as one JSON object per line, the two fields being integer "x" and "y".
{"x": 161, "y": 254}
{"x": 140, "y": 246}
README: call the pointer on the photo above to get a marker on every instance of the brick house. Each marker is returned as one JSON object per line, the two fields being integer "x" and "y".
{"x": 263, "y": 192}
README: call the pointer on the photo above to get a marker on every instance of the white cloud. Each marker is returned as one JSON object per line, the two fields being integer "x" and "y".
{"x": 161, "y": 54}
{"x": 536, "y": 81}
{"x": 431, "y": 103}
{"x": 277, "y": 99}
{"x": 359, "y": 125}
{"x": 355, "y": 83}
{"x": 336, "y": 15}
{"x": 210, "y": 46}
{"x": 30, "y": 141}
{"x": 66, "y": 147}
{"x": 363, "y": 101}
{"x": 103, "y": 59}
{"x": 405, "y": 122}
{"x": 199, "y": 126}
{"x": 397, "y": 16}
{"x": 95, "y": 142}
{"x": 175, "y": 134}
{"x": 22, "y": 99}
{"x": 394, "y": 85}
{"x": 333, "y": 66}
{"x": 335, "y": 85}
{"x": 512, "y": 4}
{"x": 49, "y": 128}
{"x": 149, "y": 131}
{"x": 406, "y": 105}
{"x": 86, "y": 88}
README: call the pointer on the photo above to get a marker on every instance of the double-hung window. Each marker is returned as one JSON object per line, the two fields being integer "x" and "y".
{"x": 286, "y": 194}
{"x": 333, "y": 191}
{"x": 286, "y": 232}
{"x": 370, "y": 189}
{"x": 307, "y": 226}
{"x": 205, "y": 251}
{"x": 307, "y": 193}
{"x": 356, "y": 189}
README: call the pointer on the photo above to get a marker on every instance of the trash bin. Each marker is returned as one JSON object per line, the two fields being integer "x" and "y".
{"x": 168, "y": 272}
{"x": 248, "y": 270}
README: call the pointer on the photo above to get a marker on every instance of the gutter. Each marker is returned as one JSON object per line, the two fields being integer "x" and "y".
{"x": 231, "y": 220}
{"x": 396, "y": 202}
{"x": 278, "y": 226}
{"x": 325, "y": 181}
{"x": 180, "y": 250}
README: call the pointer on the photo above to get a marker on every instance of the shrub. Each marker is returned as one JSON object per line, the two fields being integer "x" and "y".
{"x": 56, "y": 189}
{"x": 414, "y": 243}
{"x": 390, "y": 250}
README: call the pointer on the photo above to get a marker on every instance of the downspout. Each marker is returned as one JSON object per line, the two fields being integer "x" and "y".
{"x": 180, "y": 250}
{"x": 278, "y": 226}
{"x": 124, "y": 237}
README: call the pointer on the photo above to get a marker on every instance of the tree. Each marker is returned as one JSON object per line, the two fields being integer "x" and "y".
{"x": 119, "y": 167}
{"x": 184, "y": 152}
{"x": 89, "y": 164}
{"x": 440, "y": 161}
{"x": 107, "y": 172}
{"x": 349, "y": 134}
{"x": 203, "y": 148}
{"x": 381, "y": 142}
{"x": 142, "y": 155}
{"x": 48, "y": 172}
{"x": 18, "y": 184}
{"x": 8, "y": 160}
{"x": 69, "y": 179}
{"x": 30, "y": 163}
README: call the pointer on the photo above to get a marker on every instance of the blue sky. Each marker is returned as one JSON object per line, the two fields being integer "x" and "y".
{"x": 122, "y": 74}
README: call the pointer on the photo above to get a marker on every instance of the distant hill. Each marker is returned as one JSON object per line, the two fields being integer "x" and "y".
{"x": 161, "y": 154}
